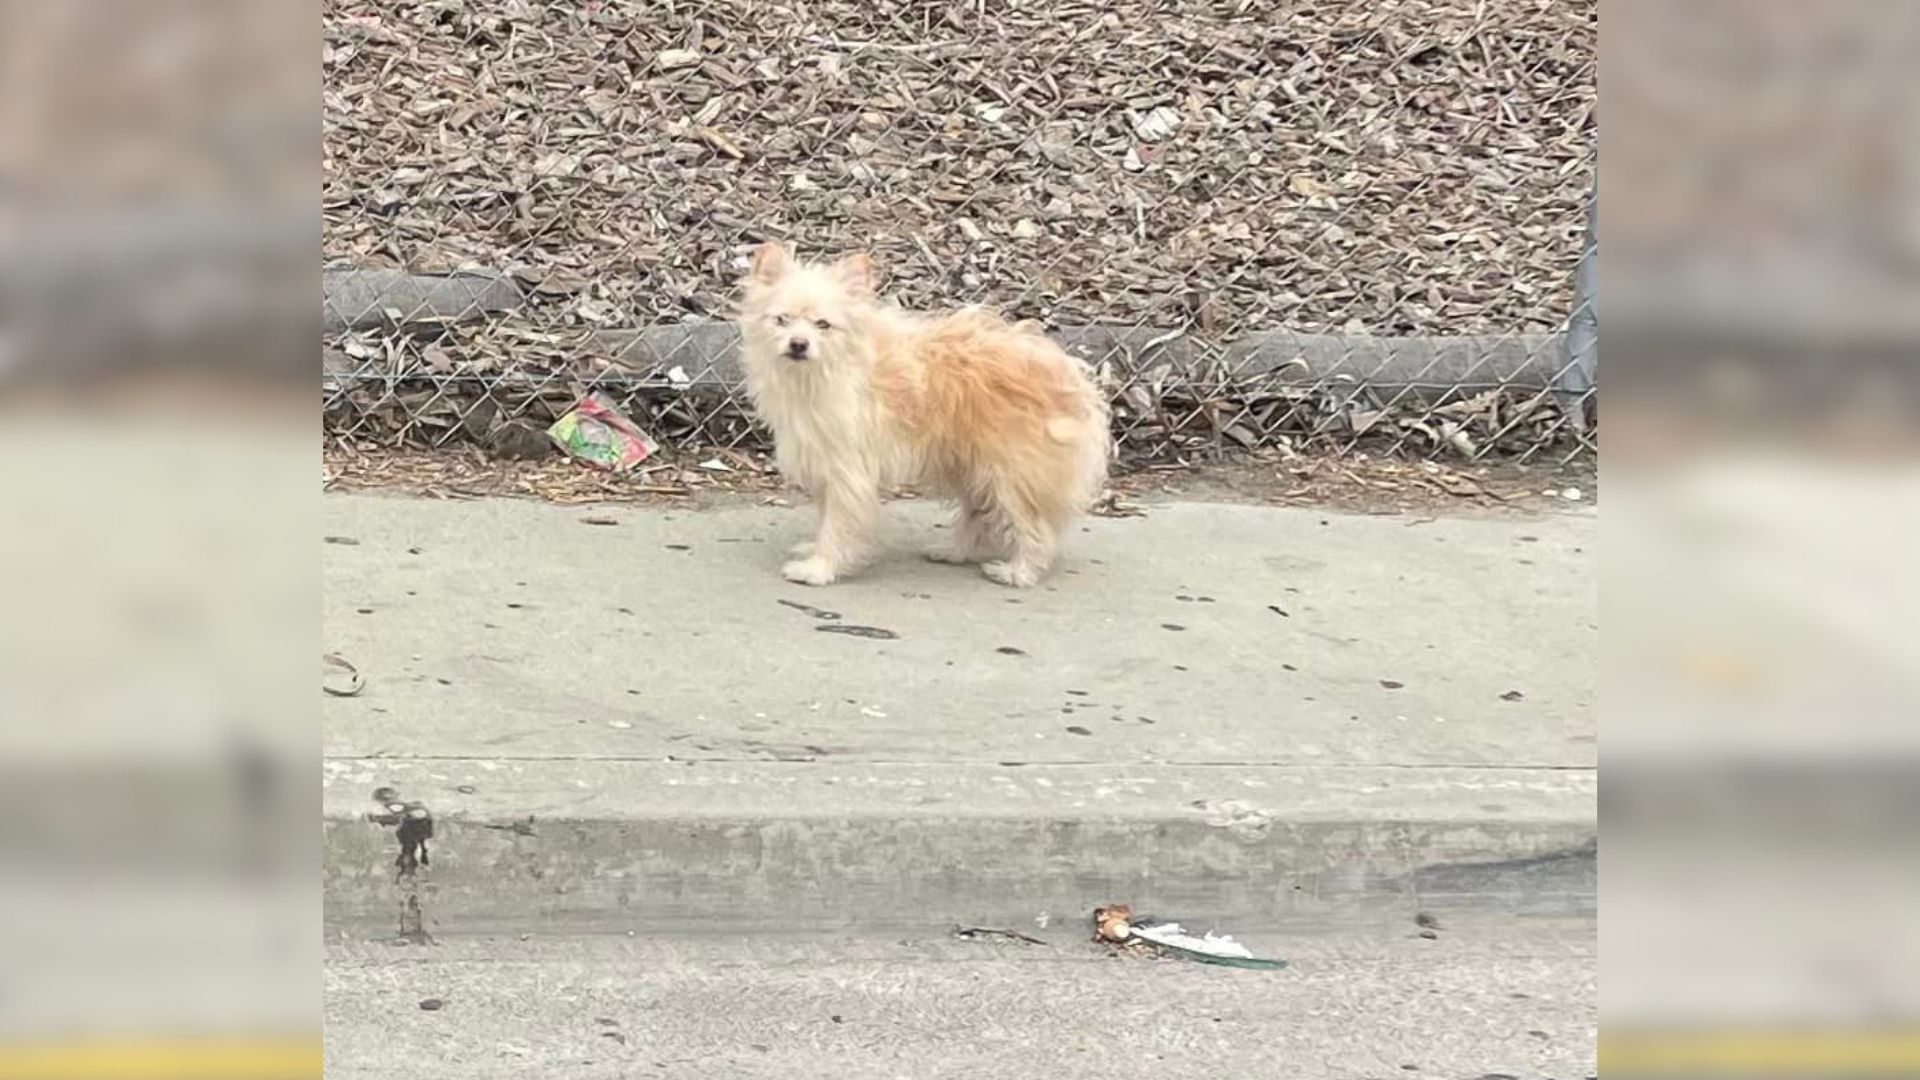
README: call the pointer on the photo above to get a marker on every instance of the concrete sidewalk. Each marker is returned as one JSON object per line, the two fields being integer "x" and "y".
{"x": 1261, "y": 709}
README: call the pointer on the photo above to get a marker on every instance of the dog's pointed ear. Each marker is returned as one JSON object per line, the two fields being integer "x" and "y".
{"x": 856, "y": 272}
{"x": 770, "y": 261}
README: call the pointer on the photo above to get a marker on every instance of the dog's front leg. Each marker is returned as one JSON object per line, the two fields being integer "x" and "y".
{"x": 849, "y": 505}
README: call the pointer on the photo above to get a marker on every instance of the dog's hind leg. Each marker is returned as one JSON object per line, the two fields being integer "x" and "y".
{"x": 1034, "y": 538}
{"x": 973, "y": 537}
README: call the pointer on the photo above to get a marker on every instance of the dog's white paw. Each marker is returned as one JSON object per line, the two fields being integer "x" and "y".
{"x": 813, "y": 571}
{"x": 802, "y": 550}
{"x": 951, "y": 554}
{"x": 1013, "y": 575}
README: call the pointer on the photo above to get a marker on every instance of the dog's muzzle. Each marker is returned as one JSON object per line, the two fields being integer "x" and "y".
{"x": 797, "y": 349}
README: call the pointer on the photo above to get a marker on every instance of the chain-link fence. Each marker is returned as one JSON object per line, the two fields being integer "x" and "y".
{"x": 1297, "y": 224}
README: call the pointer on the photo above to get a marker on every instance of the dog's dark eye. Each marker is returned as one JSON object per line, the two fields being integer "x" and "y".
{"x": 823, "y": 324}
{"x": 779, "y": 320}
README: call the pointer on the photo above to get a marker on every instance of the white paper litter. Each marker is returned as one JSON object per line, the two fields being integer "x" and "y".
{"x": 1173, "y": 936}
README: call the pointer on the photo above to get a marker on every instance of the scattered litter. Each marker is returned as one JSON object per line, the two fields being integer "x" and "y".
{"x": 1113, "y": 923}
{"x": 1156, "y": 124}
{"x": 809, "y": 609}
{"x": 348, "y": 687}
{"x": 1009, "y": 650}
{"x": 869, "y": 710}
{"x": 1278, "y": 610}
{"x": 596, "y": 433}
{"x": 678, "y": 376}
{"x": 599, "y": 519}
{"x": 860, "y": 631}
{"x": 1392, "y": 684}
{"x": 1209, "y": 947}
{"x": 433, "y": 1004}
{"x": 413, "y": 827}
{"x": 1235, "y": 815}
{"x": 716, "y": 465}
{"x": 619, "y": 724}
{"x": 517, "y": 828}
{"x": 975, "y": 933}
{"x": 413, "y": 923}
{"x": 345, "y": 541}
{"x": 1512, "y": 695}
{"x": 1116, "y": 924}
{"x": 1426, "y": 920}
{"x": 1112, "y": 505}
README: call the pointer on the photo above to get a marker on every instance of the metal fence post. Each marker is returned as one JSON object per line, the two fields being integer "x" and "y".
{"x": 1579, "y": 373}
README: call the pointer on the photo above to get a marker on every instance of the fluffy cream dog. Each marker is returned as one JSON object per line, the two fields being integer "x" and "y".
{"x": 862, "y": 395}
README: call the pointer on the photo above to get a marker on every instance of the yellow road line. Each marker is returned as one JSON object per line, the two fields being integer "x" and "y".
{"x": 1760, "y": 1053}
{"x": 263, "y": 1060}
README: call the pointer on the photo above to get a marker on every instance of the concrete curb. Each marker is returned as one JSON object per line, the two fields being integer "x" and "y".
{"x": 601, "y": 845}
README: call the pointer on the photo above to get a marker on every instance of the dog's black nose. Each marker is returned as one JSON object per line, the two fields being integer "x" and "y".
{"x": 797, "y": 348}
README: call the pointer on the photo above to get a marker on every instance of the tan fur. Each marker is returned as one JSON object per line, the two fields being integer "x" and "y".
{"x": 992, "y": 415}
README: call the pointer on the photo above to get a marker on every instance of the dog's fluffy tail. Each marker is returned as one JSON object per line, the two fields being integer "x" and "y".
{"x": 1092, "y": 445}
